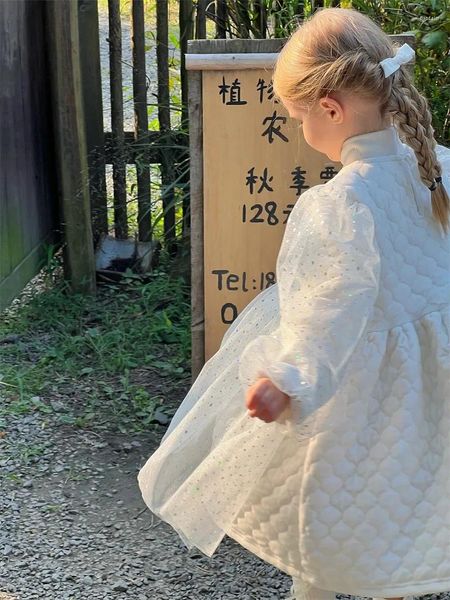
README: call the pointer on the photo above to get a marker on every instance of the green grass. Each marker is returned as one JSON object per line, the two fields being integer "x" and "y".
{"x": 104, "y": 361}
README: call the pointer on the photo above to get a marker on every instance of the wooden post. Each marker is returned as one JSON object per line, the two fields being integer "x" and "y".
{"x": 141, "y": 120}
{"x": 93, "y": 110}
{"x": 196, "y": 196}
{"x": 117, "y": 133}
{"x": 67, "y": 106}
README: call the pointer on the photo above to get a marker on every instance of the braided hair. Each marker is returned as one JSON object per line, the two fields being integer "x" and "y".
{"x": 412, "y": 118}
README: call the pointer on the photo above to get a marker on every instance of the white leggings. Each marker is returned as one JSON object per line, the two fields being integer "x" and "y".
{"x": 305, "y": 591}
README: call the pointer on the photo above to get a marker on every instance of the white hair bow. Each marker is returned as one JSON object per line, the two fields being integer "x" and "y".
{"x": 403, "y": 55}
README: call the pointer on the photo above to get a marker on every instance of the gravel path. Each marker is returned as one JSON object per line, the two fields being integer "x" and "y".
{"x": 73, "y": 525}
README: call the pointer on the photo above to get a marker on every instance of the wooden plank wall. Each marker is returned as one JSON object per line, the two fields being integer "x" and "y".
{"x": 28, "y": 198}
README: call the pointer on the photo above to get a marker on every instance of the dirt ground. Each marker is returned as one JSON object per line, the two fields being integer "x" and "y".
{"x": 73, "y": 525}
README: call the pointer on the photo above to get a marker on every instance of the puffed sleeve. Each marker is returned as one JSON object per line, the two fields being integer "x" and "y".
{"x": 328, "y": 276}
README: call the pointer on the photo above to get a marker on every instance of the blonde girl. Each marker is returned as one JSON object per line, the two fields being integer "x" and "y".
{"x": 318, "y": 436}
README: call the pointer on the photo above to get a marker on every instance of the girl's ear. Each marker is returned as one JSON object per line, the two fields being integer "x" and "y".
{"x": 333, "y": 109}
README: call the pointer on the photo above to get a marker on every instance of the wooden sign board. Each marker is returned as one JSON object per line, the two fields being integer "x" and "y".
{"x": 255, "y": 165}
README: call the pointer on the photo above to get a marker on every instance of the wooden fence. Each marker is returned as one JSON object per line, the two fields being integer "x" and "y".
{"x": 167, "y": 147}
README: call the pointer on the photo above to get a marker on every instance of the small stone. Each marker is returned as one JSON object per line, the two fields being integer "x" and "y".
{"x": 119, "y": 586}
{"x": 12, "y": 338}
{"x": 160, "y": 417}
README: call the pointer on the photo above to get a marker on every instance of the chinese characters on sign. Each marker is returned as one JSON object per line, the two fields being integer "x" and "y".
{"x": 266, "y": 213}
{"x": 256, "y": 167}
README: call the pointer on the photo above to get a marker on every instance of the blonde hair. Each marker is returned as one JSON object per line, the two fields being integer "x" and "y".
{"x": 339, "y": 49}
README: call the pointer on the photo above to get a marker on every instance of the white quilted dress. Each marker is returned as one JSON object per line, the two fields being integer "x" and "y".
{"x": 349, "y": 490}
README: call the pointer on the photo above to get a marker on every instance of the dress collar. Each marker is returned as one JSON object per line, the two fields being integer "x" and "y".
{"x": 367, "y": 145}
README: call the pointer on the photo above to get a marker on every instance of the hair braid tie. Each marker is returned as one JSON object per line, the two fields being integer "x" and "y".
{"x": 437, "y": 180}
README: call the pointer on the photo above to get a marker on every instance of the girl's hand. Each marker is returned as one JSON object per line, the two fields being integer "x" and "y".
{"x": 265, "y": 401}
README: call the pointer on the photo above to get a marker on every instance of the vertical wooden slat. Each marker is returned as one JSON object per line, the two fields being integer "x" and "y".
{"x": 141, "y": 119}
{"x": 278, "y": 18}
{"x": 115, "y": 66}
{"x": 63, "y": 38}
{"x": 261, "y": 18}
{"x": 196, "y": 250}
{"x": 221, "y": 19}
{"x": 167, "y": 175}
{"x": 186, "y": 18}
{"x": 186, "y": 12}
{"x": 93, "y": 110}
{"x": 200, "y": 25}
{"x": 243, "y": 19}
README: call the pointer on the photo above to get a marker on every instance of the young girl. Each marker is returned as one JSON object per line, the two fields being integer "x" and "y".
{"x": 318, "y": 435}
